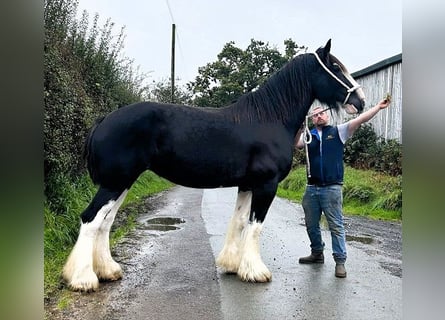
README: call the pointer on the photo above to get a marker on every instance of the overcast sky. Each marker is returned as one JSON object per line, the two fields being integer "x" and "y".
{"x": 362, "y": 32}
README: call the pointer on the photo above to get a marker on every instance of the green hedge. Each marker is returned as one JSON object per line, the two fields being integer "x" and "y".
{"x": 364, "y": 150}
{"x": 85, "y": 77}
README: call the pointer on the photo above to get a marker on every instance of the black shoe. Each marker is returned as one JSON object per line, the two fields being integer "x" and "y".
{"x": 312, "y": 258}
{"x": 340, "y": 270}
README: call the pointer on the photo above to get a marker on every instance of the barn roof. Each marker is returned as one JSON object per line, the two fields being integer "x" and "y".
{"x": 378, "y": 66}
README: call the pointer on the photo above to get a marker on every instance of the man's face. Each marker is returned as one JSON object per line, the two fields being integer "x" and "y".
{"x": 319, "y": 117}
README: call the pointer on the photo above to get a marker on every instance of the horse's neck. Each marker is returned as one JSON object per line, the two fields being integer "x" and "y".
{"x": 292, "y": 120}
{"x": 286, "y": 98}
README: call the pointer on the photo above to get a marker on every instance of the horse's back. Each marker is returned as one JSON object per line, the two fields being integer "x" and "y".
{"x": 136, "y": 137}
{"x": 190, "y": 146}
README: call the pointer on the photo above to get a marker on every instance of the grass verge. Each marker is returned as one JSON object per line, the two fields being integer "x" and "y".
{"x": 365, "y": 192}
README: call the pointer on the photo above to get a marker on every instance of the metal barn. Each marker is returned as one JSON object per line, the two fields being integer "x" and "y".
{"x": 377, "y": 80}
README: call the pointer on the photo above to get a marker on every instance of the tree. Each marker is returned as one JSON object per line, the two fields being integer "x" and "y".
{"x": 237, "y": 72}
{"x": 161, "y": 92}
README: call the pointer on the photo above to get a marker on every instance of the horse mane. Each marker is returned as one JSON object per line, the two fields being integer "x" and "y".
{"x": 280, "y": 97}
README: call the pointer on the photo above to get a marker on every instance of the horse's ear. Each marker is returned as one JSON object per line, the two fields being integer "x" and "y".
{"x": 326, "y": 49}
{"x": 323, "y": 52}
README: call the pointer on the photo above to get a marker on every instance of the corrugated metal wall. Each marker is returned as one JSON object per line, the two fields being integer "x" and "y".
{"x": 387, "y": 123}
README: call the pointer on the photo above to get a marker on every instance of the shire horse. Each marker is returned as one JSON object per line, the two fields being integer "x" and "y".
{"x": 248, "y": 144}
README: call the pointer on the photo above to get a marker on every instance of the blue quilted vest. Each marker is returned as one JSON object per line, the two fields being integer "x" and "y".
{"x": 326, "y": 157}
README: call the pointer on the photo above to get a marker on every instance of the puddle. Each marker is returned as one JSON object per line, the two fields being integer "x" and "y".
{"x": 365, "y": 239}
{"x": 362, "y": 239}
{"x": 162, "y": 224}
{"x": 160, "y": 227}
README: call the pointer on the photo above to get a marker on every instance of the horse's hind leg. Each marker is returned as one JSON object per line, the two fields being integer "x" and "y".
{"x": 97, "y": 218}
{"x": 230, "y": 256}
{"x": 103, "y": 264}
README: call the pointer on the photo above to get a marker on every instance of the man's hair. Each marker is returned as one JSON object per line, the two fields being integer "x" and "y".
{"x": 316, "y": 108}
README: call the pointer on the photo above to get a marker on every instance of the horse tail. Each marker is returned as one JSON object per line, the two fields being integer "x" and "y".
{"x": 87, "y": 151}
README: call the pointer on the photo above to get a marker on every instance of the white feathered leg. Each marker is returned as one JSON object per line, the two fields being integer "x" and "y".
{"x": 103, "y": 264}
{"x": 230, "y": 256}
{"x": 252, "y": 267}
{"x": 78, "y": 270}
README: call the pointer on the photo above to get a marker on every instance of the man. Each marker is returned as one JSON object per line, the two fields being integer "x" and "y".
{"x": 325, "y": 179}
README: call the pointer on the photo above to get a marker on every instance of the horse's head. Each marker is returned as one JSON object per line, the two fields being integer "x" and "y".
{"x": 334, "y": 85}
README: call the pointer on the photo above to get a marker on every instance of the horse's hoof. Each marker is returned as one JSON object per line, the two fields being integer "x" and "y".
{"x": 228, "y": 269}
{"x": 84, "y": 286}
{"x": 259, "y": 278}
{"x": 110, "y": 276}
{"x": 229, "y": 263}
{"x": 86, "y": 281}
{"x": 112, "y": 273}
{"x": 264, "y": 276}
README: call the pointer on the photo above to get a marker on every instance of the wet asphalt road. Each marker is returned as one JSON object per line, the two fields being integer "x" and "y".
{"x": 170, "y": 273}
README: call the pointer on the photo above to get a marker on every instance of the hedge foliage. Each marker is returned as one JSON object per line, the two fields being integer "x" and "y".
{"x": 85, "y": 76}
{"x": 364, "y": 150}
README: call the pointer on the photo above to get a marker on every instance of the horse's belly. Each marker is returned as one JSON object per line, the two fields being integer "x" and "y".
{"x": 200, "y": 175}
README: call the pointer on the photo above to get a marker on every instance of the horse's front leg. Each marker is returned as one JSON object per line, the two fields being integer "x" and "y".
{"x": 230, "y": 256}
{"x": 252, "y": 267}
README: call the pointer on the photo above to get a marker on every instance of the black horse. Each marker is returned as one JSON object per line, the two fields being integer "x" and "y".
{"x": 247, "y": 144}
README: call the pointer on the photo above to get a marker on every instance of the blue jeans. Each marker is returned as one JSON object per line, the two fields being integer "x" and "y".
{"x": 329, "y": 200}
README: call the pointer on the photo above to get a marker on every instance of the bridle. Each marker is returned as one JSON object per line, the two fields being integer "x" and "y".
{"x": 307, "y": 136}
{"x": 349, "y": 89}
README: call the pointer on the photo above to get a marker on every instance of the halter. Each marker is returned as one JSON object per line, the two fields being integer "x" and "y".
{"x": 350, "y": 90}
{"x": 307, "y": 136}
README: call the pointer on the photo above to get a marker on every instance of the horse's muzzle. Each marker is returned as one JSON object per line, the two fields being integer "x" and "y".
{"x": 350, "y": 109}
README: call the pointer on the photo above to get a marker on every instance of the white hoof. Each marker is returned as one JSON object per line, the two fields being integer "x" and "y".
{"x": 258, "y": 273}
{"x": 111, "y": 272}
{"x": 86, "y": 283}
{"x": 228, "y": 260}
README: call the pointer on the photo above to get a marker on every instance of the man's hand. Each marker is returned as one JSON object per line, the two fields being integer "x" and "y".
{"x": 385, "y": 102}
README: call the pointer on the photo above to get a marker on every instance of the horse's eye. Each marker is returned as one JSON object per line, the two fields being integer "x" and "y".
{"x": 336, "y": 67}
